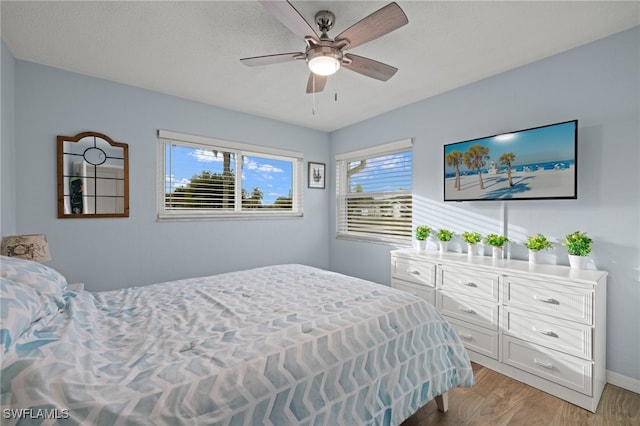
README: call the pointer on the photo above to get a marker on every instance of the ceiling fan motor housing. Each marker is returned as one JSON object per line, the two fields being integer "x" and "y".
{"x": 325, "y": 20}
{"x": 323, "y": 57}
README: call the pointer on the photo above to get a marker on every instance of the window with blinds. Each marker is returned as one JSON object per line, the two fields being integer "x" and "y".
{"x": 208, "y": 178}
{"x": 374, "y": 200}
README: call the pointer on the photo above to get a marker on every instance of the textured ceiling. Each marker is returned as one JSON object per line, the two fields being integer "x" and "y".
{"x": 192, "y": 49}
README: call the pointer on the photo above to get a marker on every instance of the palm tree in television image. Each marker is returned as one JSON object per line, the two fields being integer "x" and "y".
{"x": 454, "y": 159}
{"x": 507, "y": 159}
{"x": 476, "y": 158}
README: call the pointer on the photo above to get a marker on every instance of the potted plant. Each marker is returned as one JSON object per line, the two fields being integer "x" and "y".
{"x": 472, "y": 238}
{"x": 497, "y": 243}
{"x": 579, "y": 245}
{"x": 535, "y": 243}
{"x": 422, "y": 233}
{"x": 444, "y": 236}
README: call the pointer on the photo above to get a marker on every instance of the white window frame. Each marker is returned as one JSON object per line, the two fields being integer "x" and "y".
{"x": 240, "y": 149}
{"x": 342, "y": 193}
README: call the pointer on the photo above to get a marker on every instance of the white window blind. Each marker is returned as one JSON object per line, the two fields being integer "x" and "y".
{"x": 374, "y": 193}
{"x": 202, "y": 177}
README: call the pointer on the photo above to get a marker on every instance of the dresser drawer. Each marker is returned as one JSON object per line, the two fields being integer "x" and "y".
{"x": 554, "y": 298}
{"x": 566, "y": 370}
{"x": 414, "y": 270}
{"x": 476, "y": 339}
{"x": 480, "y": 313}
{"x": 425, "y": 292}
{"x": 469, "y": 282}
{"x": 567, "y": 336}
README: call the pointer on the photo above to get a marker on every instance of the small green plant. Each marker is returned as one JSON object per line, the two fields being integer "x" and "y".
{"x": 422, "y": 232}
{"x": 472, "y": 237}
{"x": 495, "y": 240}
{"x": 578, "y": 244}
{"x": 538, "y": 242}
{"x": 445, "y": 235}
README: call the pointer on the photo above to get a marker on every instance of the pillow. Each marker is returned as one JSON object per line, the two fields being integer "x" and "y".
{"x": 47, "y": 281}
{"x": 20, "y": 306}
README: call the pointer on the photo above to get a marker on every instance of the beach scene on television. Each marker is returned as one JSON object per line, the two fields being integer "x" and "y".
{"x": 526, "y": 164}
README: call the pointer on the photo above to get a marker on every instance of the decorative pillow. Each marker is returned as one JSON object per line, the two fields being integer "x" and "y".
{"x": 20, "y": 306}
{"x": 45, "y": 280}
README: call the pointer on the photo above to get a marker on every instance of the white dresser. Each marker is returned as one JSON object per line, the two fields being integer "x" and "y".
{"x": 544, "y": 325}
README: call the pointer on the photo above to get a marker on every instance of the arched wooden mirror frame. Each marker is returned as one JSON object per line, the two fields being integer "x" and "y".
{"x": 93, "y": 176}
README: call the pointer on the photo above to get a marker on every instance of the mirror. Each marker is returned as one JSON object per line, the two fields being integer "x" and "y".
{"x": 93, "y": 176}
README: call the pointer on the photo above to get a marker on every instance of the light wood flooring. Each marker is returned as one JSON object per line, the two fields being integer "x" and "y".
{"x": 499, "y": 400}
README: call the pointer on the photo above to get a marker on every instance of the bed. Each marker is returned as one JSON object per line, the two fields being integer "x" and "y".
{"x": 279, "y": 345}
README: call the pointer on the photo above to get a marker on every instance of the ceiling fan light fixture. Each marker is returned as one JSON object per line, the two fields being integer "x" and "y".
{"x": 324, "y": 65}
{"x": 325, "y": 55}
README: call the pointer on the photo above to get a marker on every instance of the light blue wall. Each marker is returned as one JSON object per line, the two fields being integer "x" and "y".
{"x": 7, "y": 142}
{"x": 113, "y": 253}
{"x": 599, "y": 84}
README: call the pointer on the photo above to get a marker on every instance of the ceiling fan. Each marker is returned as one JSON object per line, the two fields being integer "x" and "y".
{"x": 325, "y": 55}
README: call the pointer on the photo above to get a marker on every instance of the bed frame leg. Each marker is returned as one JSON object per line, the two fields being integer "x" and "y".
{"x": 442, "y": 401}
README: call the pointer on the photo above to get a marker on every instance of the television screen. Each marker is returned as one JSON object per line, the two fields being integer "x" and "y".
{"x": 530, "y": 164}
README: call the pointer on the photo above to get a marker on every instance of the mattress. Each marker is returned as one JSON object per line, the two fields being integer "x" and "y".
{"x": 278, "y": 345}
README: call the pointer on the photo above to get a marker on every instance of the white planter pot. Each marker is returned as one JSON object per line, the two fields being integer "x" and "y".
{"x": 471, "y": 249}
{"x": 421, "y": 245}
{"x": 442, "y": 246}
{"x": 497, "y": 253}
{"x": 578, "y": 262}
{"x": 533, "y": 257}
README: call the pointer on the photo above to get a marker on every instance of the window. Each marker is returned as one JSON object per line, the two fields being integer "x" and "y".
{"x": 373, "y": 191}
{"x": 209, "y": 178}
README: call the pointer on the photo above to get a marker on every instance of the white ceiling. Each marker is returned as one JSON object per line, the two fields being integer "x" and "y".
{"x": 192, "y": 49}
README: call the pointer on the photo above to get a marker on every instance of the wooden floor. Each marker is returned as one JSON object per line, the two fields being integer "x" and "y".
{"x": 499, "y": 400}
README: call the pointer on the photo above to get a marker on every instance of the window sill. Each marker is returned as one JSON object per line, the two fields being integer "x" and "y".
{"x": 396, "y": 242}
{"x": 228, "y": 216}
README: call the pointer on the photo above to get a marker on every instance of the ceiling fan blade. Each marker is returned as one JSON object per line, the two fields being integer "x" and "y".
{"x": 284, "y": 12}
{"x": 369, "y": 67}
{"x": 379, "y": 23}
{"x": 316, "y": 83}
{"x": 271, "y": 59}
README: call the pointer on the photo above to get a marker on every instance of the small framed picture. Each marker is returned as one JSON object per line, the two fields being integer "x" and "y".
{"x": 316, "y": 175}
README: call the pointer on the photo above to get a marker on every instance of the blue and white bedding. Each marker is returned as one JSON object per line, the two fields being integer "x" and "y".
{"x": 280, "y": 345}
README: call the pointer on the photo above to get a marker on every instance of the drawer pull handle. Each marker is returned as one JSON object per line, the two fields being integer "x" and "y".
{"x": 471, "y": 284}
{"x": 466, "y": 310}
{"x": 414, "y": 272}
{"x": 465, "y": 336}
{"x": 549, "y": 300}
{"x": 546, "y": 365}
{"x": 546, "y": 332}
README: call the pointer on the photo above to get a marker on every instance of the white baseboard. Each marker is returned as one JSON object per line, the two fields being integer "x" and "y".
{"x": 624, "y": 382}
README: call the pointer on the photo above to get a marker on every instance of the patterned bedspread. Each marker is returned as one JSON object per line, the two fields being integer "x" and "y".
{"x": 279, "y": 345}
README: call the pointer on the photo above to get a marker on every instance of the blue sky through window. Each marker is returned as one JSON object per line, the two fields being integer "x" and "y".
{"x": 273, "y": 177}
{"x": 385, "y": 173}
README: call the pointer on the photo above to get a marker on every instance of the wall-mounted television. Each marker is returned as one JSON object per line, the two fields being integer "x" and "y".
{"x": 530, "y": 164}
